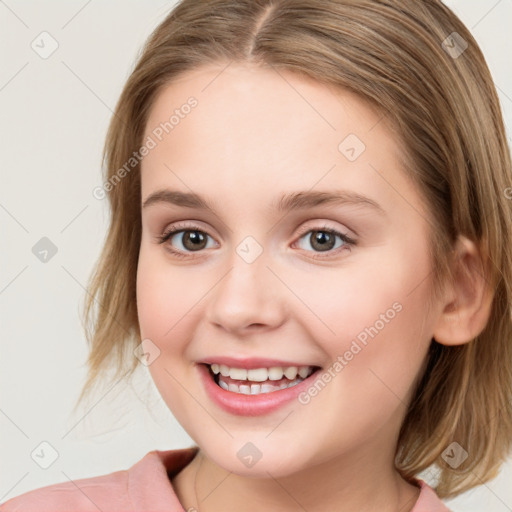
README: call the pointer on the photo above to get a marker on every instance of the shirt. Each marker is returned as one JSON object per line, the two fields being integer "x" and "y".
{"x": 145, "y": 486}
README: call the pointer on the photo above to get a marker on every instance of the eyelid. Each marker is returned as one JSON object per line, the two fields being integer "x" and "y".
{"x": 321, "y": 226}
{"x": 179, "y": 227}
{"x": 189, "y": 225}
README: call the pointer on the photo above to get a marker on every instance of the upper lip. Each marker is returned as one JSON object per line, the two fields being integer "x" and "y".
{"x": 252, "y": 362}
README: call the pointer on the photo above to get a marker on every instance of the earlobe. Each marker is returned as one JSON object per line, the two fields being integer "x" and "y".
{"x": 468, "y": 299}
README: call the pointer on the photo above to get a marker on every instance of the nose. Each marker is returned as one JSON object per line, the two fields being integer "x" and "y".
{"x": 249, "y": 296}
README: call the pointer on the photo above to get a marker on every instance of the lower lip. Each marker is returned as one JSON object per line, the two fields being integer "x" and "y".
{"x": 250, "y": 405}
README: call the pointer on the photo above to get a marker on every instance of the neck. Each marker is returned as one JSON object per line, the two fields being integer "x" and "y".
{"x": 366, "y": 482}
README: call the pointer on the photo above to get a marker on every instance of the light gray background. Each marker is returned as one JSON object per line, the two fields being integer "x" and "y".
{"x": 54, "y": 116}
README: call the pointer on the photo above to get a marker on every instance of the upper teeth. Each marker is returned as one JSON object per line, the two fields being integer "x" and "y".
{"x": 262, "y": 374}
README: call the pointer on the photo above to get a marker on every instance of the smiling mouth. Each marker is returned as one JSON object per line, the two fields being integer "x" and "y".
{"x": 265, "y": 380}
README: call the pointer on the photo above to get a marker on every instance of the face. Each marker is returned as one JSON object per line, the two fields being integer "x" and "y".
{"x": 340, "y": 285}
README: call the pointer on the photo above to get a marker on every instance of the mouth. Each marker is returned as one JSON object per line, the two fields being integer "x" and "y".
{"x": 258, "y": 381}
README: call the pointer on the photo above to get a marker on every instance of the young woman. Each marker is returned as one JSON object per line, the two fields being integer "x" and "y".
{"x": 310, "y": 250}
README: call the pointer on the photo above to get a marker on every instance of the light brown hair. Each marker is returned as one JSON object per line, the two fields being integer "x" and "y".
{"x": 444, "y": 109}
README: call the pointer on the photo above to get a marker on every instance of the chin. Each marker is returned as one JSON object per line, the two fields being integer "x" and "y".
{"x": 257, "y": 459}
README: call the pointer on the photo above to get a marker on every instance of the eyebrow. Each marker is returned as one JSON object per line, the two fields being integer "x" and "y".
{"x": 288, "y": 202}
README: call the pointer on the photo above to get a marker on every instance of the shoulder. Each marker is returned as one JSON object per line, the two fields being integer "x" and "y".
{"x": 144, "y": 486}
{"x": 428, "y": 500}
{"x": 86, "y": 494}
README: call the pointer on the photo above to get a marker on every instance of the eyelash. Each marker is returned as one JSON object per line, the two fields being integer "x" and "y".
{"x": 178, "y": 228}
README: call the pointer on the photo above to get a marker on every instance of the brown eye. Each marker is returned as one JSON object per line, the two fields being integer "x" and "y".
{"x": 322, "y": 240}
{"x": 193, "y": 240}
{"x": 183, "y": 241}
{"x": 325, "y": 241}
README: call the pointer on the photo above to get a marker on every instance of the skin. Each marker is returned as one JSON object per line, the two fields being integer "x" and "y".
{"x": 255, "y": 135}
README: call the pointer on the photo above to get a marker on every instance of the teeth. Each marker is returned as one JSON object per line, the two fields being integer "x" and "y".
{"x": 291, "y": 373}
{"x": 256, "y": 389}
{"x": 265, "y": 376}
{"x": 304, "y": 371}
{"x": 258, "y": 375}
{"x": 262, "y": 374}
{"x": 238, "y": 373}
{"x": 245, "y": 389}
{"x": 268, "y": 388}
{"x": 275, "y": 373}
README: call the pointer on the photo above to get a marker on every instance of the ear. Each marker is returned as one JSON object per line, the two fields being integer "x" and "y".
{"x": 468, "y": 300}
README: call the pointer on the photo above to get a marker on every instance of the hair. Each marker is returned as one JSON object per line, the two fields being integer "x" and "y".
{"x": 446, "y": 113}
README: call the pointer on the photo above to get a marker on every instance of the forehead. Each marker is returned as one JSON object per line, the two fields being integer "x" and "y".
{"x": 262, "y": 101}
{"x": 258, "y": 130}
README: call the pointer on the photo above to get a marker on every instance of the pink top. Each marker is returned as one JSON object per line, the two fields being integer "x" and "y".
{"x": 146, "y": 486}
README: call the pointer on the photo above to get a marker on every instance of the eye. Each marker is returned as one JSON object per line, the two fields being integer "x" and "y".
{"x": 324, "y": 239}
{"x": 191, "y": 239}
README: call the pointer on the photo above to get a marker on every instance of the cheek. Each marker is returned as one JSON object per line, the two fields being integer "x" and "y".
{"x": 167, "y": 316}
{"x": 368, "y": 289}
{"x": 380, "y": 327}
{"x": 165, "y": 297}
